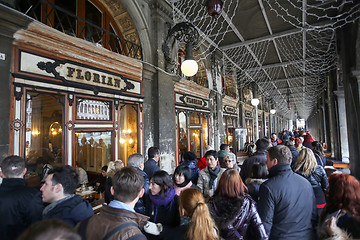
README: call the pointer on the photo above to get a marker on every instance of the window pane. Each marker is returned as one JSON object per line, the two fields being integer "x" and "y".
{"x": 183, "y": 141}
{"x": 93, "y": 110}
{"x": 205, "y": 130}
{"x": 128, "y": 134}
{"x": 63, "y": 21}
{"x": 194, "y": 118}
{"x": 93, "y": 150}
{"x": 195, "y": 142}
{"x": 94, "y": 16}
{"x": 44, "y": 128}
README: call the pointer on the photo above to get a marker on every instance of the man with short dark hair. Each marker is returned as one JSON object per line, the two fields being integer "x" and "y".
{"x": 262, "y": 144}
{"x": 59, "y": 190}
{"x": 210, "y": 175}
{"x": 20, "y": 206}
{"x": 151, "y": 164}
{"x": 286, "y": 201}
{"x": 137, "y": 160}
{"x": 118, "y": 220}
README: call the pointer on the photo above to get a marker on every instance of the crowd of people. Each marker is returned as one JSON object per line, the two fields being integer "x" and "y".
{"x": 280, "y": 192}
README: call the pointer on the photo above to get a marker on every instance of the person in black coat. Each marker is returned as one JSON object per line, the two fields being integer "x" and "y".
{"x": 262, "y": 145}
{"x": 137, "y": 160}
{"x": 58, "y": 190}
{"x": 20, "y": 206}
{"x": 293, "y": 151}
{"x": 190, "y": 161}
{"x": 286, "y": 198}
{"x": 307, "y": 167}
{"x": 150, "y": 166}
{"x": 162, "y": 205}
{"x": 99, "y": 182}
{"x": 234, "y": 211}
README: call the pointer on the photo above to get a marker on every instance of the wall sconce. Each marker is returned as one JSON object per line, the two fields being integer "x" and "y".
{"x": 183, "y": 32}
{"x": 255, "y": 101}
{"x": 272, "y": 111}
{"x": 127, "y": 137}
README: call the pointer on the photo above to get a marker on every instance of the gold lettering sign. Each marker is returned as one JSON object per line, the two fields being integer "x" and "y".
{"x": 194, "y": 101}
{"x": 68, "y": 71}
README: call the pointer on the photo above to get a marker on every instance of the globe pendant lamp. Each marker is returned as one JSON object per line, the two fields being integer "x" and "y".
{"x": 189, "y": 67}
{"x": 255, "y": 101}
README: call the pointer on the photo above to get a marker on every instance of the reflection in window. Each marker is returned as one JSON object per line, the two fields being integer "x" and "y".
{"x": 194, "y": 118}
{"x": 205, "y": 130}
{"x": 195, "y": 142}
{"x": 93, "y": 150}
{"x": 128, "y": 132}
{"x": 93, "y": 110}
{"x": 44, "y": 131}
{"x": 183, "y": 140}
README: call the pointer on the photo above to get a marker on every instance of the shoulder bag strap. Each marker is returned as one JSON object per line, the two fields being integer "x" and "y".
{"x": 119, "y": 228}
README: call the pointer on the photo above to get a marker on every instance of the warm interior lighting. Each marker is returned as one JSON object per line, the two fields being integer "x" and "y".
{"x": 255, "y": 101}
{"x": 189, "y": 67}
{"x": 273, "y": 111}
{"x": 122, "y": 141}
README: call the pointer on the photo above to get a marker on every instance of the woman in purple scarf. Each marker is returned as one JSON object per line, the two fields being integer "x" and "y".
{"x": 163, "y": 204}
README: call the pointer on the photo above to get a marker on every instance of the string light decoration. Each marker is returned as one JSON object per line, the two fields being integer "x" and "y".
{"x": 304, "y": 54}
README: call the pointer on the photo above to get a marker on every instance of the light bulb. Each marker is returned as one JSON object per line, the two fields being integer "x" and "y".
{"x": 189, "y": 67}
{"x": 255, "y": 101}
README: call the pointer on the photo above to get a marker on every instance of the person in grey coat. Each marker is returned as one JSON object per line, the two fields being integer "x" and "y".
{"x": 286, "y": 201}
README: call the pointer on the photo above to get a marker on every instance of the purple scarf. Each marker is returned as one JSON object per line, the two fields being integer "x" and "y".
{"x": 162, "y": 200}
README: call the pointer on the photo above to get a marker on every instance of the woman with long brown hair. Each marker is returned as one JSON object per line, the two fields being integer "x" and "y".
{"x": 343, "y": 203}
{"x": 234, "y": 211}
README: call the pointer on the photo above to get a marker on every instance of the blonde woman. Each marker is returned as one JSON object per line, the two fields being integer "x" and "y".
{"x": 199, "y": 224}
{"x": 307, "y": 166}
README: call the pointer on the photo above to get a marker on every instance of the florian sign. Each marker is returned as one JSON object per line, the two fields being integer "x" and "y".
{"x": 77, "y": 74}
{"x": 191, "y": 101}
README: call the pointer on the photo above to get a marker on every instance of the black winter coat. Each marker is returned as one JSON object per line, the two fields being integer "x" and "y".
{"x": 150, "y": 167}
{"x": 71, "y": 211}
{"x": 140, "y": 205}
{"x": 194, "y": 170}
{"x": 237, "y": 218}
{"x": 259, "y": 157}
{"x": 20, "y": 206}
{"x": 287, "y": 205}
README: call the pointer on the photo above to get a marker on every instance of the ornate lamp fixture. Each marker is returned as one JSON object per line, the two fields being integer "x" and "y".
{"x": 183, "y": 32}
{"x": 272, "y": 110}
{"x": 255, "y": 101}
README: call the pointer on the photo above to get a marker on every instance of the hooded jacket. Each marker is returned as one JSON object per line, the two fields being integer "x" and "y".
{"x": 71, "y": 211}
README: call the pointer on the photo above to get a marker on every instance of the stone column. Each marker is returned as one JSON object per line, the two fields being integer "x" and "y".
{"x": 344, "y": 143}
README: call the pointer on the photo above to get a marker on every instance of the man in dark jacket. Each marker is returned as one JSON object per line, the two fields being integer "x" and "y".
{"x": 118, "y": 220}
{"x": 137, "y": 160}
{"x": 58, "y": 190}
{"x": 262, "y": 145}
{"x": 151, "y": 164}
{"x": 20, "y": 206}
{"x": 293, "y": 151}
{"x": 190, "y": 161}
{"x": 286, "y": 201}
